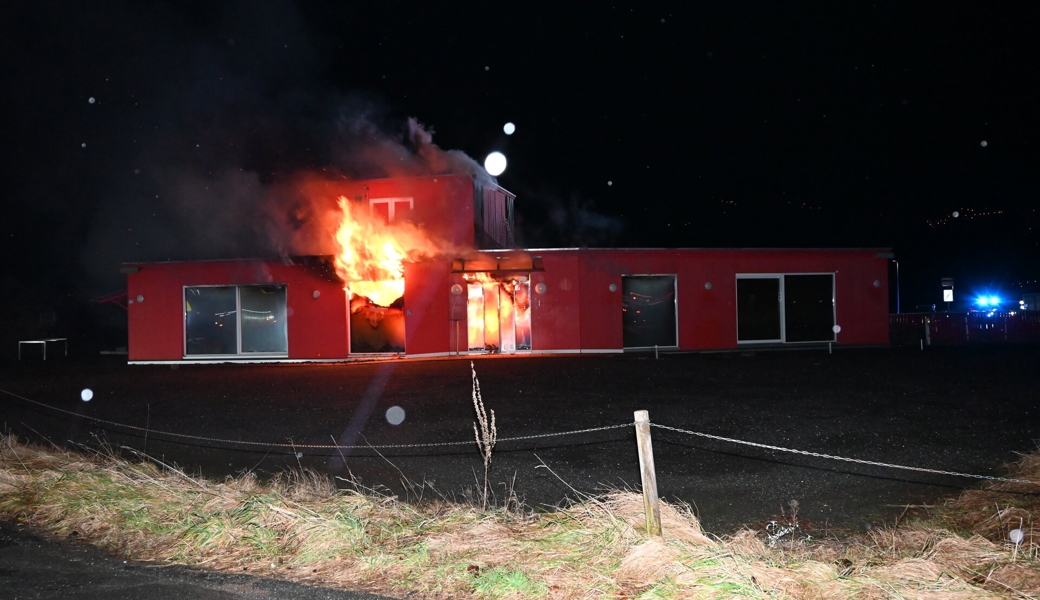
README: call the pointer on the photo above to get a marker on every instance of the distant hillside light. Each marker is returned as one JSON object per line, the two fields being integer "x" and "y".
{"x": 495, "y": 163}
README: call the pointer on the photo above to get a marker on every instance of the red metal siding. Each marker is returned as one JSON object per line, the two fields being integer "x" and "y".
{"x": 317, "y": 327}
{"x": 575, "y": 311}
{"x": 555, "y": 313}
{"x": 426, "y": 303}
{"x": 706, "y": 317}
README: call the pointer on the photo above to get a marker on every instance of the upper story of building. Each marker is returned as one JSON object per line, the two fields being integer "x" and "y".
{"x": 457, "y": 208}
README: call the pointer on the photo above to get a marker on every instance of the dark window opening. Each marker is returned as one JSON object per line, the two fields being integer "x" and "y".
{"x": 809, "y": 308}
{"x": 648, "y": 311}
{"x": 758, "y": 309}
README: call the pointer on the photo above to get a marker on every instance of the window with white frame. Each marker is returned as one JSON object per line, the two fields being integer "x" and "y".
{"x": 391, "y": 209}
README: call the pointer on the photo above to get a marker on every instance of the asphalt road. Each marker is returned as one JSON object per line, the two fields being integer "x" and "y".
{"x": 34, "y": 568}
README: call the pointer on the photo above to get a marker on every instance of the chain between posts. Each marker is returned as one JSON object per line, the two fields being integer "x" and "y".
{"x": 842, "y": 458}
{"x": 295, "y": 446}
{"x": 513, "y": 439}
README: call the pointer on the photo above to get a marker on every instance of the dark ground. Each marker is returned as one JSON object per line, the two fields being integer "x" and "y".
{"x": 34, "y": 568}
{"x": 958, "y": 409}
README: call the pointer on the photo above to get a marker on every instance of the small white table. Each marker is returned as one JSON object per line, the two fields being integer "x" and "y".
{"x": 44, "y": 344}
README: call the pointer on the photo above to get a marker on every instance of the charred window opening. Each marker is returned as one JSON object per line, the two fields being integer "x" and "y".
{"x": 375, "y": 328}
{"x": 498, "y": 313}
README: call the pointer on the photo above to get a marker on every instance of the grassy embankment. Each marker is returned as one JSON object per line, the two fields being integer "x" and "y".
{"x": 301, "y": 528}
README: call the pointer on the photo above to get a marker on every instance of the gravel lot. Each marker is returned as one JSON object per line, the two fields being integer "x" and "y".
{"x": 958, "y": 409}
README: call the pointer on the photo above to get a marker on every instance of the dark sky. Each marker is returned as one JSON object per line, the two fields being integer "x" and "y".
{"x": 708, "y": 124}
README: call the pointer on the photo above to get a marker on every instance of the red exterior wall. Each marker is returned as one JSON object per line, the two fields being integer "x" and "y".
{"x": 427, "y": 309}
{"x": 317, "y": 327}
{"x": 578, "y": 310}
{"x": 555, "y": 315}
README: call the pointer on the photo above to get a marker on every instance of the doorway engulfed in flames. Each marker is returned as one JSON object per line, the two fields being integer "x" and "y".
{"x": 498, "y": 314}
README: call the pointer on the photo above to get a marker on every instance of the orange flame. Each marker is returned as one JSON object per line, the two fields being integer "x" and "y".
{"x": 370, "y": 253}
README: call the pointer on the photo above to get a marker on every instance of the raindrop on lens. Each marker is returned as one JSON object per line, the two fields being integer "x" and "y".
{"x": 1016, "y": 536}
{"x": 86, "y": 394}
{"x": 395, "y": 415}
{"x": 956, "y": 214}
{"x": 91, "y": 100}
{"x": 983, "y": 143}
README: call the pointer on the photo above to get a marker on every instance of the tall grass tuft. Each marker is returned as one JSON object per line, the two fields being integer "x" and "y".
{"x": 486, "y": 435}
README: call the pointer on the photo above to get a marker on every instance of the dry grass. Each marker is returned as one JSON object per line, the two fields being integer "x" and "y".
{"x": 300, "y": 528}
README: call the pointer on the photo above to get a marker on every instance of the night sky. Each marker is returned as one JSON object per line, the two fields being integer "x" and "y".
{"x": 140, "y": 131}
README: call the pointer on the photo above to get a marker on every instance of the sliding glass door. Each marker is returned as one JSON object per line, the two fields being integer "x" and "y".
{"x": 235, "y": 320}
{"x": 785, "y": 308}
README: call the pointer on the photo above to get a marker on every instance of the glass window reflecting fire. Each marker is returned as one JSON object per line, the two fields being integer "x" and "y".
{"x": 263, "y": 319}
{"x": 235, "y": 320}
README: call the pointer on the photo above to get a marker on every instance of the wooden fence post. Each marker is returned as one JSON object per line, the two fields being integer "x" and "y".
{"x": 646, "y": 471}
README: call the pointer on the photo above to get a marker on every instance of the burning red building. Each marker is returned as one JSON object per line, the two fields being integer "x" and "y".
{"x": 425, "y": 266}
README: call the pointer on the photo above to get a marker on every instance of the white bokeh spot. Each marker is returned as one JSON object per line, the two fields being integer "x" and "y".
{"x": 86, "y": 394}
{"x": 495, "y": 163}
{"x": 395, "y": 415}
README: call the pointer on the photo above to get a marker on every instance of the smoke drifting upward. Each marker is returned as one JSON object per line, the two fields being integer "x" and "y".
{"x": 546, "y": 220}
{"x": 182, "y": 212}
{"x": 365, "y": 150}
{"x": 220, "y": 146}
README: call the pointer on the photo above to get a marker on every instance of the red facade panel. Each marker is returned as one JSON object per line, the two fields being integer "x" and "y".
{"x": 316, "y": 323}
{"x": 555, "y": 303}
{"x": 428, "y": 326}
{"x": 706, "y": 286}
